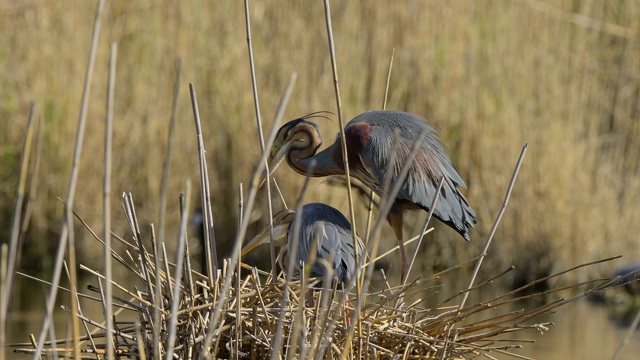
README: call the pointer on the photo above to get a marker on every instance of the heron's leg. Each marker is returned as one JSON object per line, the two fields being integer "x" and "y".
{"x": 395, "y": 219}
{"x": 310, "y": 303}
{"x": 347, "y": 313}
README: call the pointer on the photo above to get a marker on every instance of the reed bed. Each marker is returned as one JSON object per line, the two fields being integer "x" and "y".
{"x": 234, "y": 310}
{"x": 313, "y": 324}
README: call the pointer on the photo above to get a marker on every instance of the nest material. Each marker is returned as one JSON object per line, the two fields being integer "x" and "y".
{"x": 259, "y": 316}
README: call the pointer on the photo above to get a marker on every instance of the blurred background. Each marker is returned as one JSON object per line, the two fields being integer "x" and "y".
{"x": 563, "y": 76}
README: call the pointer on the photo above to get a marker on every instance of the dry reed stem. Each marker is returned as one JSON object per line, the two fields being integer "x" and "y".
{"x": 207, "y": 212}
{"x": 66, "y": 236}
{"x": 345, "y": 158}
{"x": 627, "y": 336}
{"x": 80, "y": 315}
{"x": 67, "y": 290}
{"x": 239, "y": 284}
{"x": 166, "y": 167}
{"x": 496, "y": 223}
{"x": 284, "y": 203}
{"x": 184, "y": 208}
{"x": 491, "y": 233}
{"x": 107, "y": 293}
{"x": 256, "y": 102}
{"x": 144, "y": 266}
{"x": 394, "y": 249}
{"x": 33, "y": 185}
{"x": 158, "y": 291}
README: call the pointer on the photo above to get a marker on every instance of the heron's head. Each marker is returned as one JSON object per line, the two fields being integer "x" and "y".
{"x": 281, "y": 222}
{"x": 298, "y": 134}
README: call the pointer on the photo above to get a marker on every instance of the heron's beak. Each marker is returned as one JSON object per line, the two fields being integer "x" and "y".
{"x": 279, "y": 232}
{"x": 276, "y": 156}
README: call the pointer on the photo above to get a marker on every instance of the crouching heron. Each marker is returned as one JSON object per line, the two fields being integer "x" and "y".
{"x": 323, "y": 229}
{"x": 369, "y": 138}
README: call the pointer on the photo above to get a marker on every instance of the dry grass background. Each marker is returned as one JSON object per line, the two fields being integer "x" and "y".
{"x": 561, "y": 75}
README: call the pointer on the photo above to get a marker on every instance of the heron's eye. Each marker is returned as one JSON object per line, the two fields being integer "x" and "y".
{"x": 274, "y": 149}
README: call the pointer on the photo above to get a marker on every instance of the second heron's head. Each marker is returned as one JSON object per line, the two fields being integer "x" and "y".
{"x": 281, "y": 224}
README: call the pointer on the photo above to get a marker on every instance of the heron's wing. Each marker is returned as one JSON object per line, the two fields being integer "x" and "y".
{"x": 345, "y": 259}
{"x": 429, "y": 165}
{"x": 334, "y": 247}
{"x": 348, "y": 256}
{"x": 325, "y": 239}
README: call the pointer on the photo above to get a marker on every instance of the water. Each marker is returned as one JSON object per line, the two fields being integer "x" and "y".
{"x": 583, "y": 330}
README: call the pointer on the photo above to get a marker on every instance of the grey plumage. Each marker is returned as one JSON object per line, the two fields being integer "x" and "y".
{"x": 431, "y": 162}
{"x": 334, "y": 240}
{"x": 324, "y": 233}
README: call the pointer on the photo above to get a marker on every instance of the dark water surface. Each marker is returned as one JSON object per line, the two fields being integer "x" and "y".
{"x": 582, "y": 330}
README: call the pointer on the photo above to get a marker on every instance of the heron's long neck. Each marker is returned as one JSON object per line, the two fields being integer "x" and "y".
{"x": 301, "y": 160}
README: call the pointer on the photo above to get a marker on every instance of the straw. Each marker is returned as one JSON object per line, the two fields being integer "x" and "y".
{"x": 66, "y": 235}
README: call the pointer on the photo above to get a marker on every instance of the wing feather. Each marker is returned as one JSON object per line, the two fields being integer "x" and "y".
{"x": 430, "y": 164}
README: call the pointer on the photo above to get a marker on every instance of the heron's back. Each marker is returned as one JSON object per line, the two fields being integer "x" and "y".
{"x": 332, "y": 232}
{"x": 429, "y": 166}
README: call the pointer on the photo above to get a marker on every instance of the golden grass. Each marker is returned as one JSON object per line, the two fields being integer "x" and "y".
{"x": 491, "y": 75}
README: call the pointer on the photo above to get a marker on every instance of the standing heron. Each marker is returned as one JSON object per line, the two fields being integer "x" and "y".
{"x": 322, "y": 224}
{"x": 369, "y": 138}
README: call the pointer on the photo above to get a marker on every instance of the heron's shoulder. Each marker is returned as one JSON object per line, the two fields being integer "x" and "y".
{"x": 319, "y": 212}
{"x": 391, "y": 119}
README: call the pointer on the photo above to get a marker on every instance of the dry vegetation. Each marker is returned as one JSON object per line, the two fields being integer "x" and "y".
{"x": 562, "y": 76}
{"x": 165, "y": 314}
{"x": 491, "y": 75}
{"x": 256, "y": 314}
